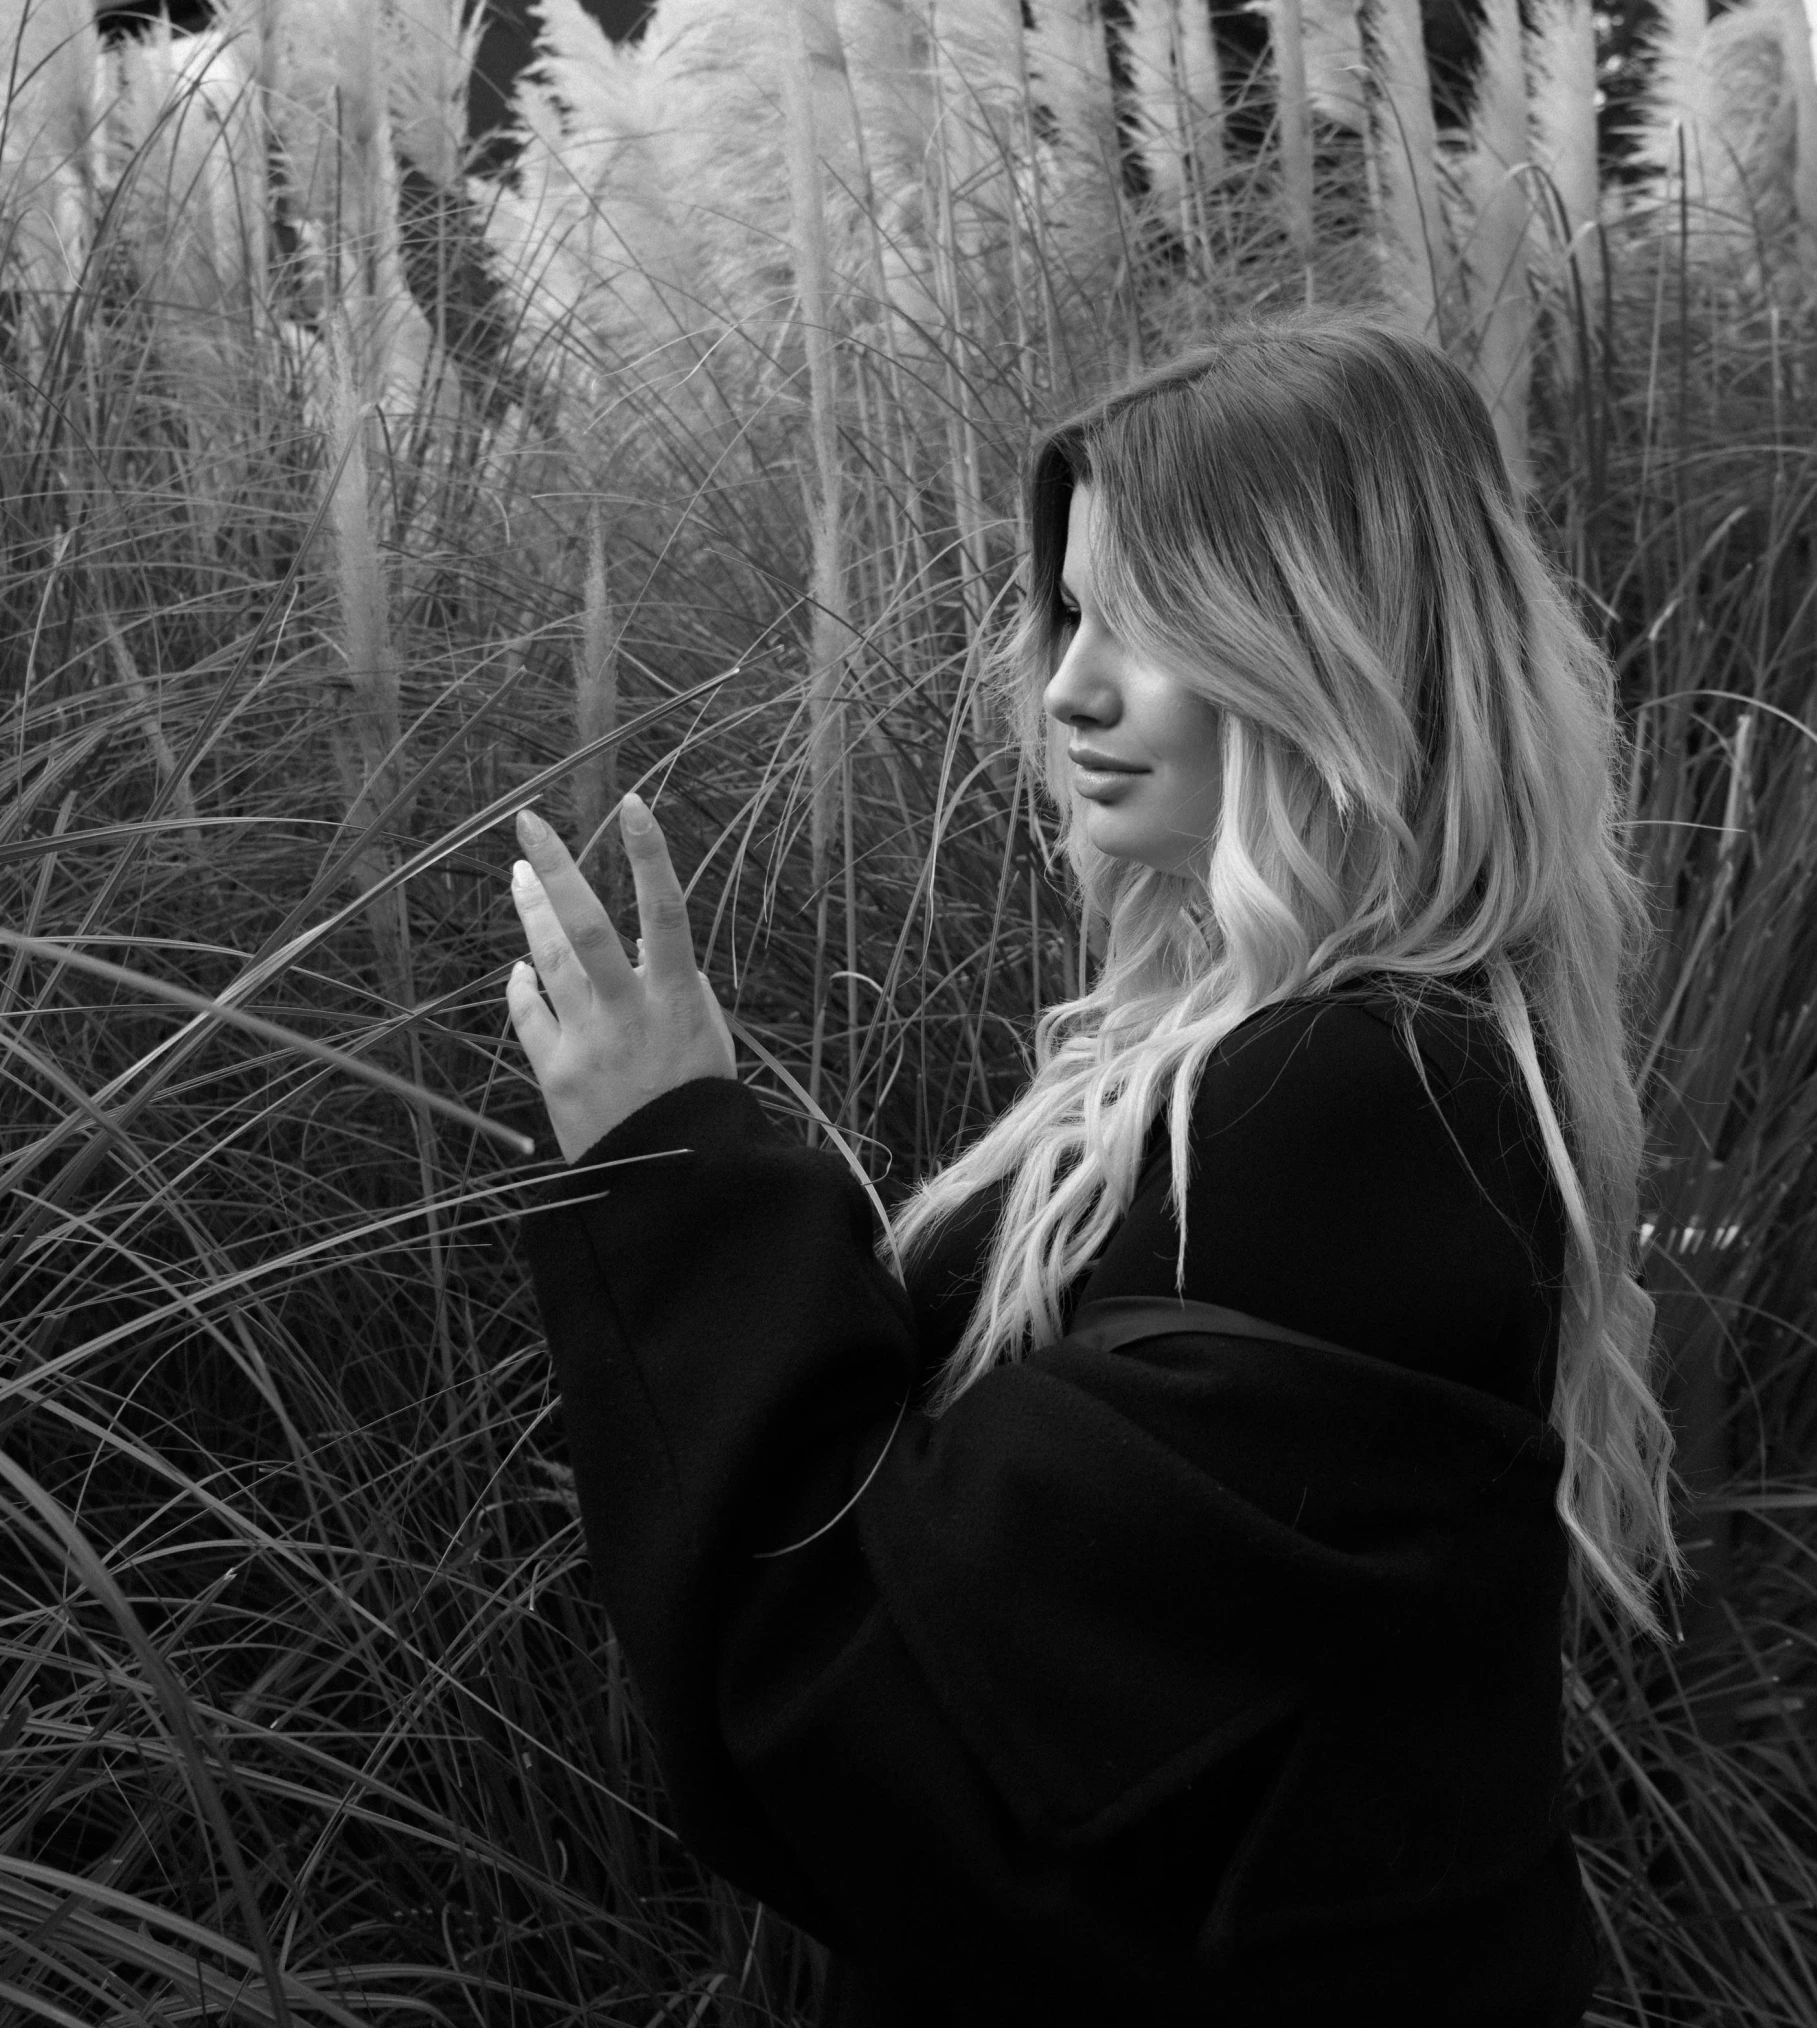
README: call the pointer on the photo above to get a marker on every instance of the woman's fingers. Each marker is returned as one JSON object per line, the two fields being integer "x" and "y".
{"x": 550, "y": 952}
{"x": 578, "y": 911}
{"x": 617, "y": 1036}
{"x": 662, "y": 909}
{"x": 535, "y": 1025}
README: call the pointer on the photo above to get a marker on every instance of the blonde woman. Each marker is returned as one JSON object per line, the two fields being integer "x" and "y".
{"x": 1187, "y": 1649}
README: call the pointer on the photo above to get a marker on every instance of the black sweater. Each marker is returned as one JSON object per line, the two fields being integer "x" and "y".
{"x": 1202, "y": 1667}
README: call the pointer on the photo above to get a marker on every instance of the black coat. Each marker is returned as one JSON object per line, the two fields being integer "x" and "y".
{"x": 1197, "y": 1668}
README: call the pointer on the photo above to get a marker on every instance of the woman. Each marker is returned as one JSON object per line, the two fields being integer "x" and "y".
{"x": 1150, "y": 1612}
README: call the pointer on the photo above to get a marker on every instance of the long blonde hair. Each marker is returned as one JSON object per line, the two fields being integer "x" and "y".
{"x": 1309, "y": 520}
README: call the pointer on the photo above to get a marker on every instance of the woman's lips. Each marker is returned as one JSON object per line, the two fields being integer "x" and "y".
{"x": 1099, "y": 778}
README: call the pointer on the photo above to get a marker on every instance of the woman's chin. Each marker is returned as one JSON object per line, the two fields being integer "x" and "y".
{"x": 1114, "y": 834}
{"x": 1117, "y": 840}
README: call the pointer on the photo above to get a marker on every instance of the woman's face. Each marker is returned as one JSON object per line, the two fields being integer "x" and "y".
{"x": 1145, "y": 753}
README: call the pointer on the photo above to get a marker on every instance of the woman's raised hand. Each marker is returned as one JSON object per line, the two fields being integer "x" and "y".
{"x": 620, "y": 1034}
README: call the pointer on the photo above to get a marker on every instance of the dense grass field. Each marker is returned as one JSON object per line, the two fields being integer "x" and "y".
{"x": 351, "y": 502}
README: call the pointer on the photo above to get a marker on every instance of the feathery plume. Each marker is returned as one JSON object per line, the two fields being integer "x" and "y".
{"x": 1403, "y": 152}
{"x": 187, "y": 153}
{"x": 187, "y": 158}
{"x": 1718, "y": 128}
{"x": 328, "y": 105}
{"x": 1068, "y": 62}
{"x": 368, "y": 741}
{"x": 1332, "y": 34}
{"x": 1201, "y": 85}
{"x": 1798, "y": 31}
{"x": 1562, "y": 60}
{"x": 1176, "y": 106}
{"x": 1673, "y": 97}
{"x": 434, "y": 44}
{"x": 887, "y": 61}
{"x": 50, "y": 60}
{"x": 1498, "y": 226}
{"x": 966, "y": 231}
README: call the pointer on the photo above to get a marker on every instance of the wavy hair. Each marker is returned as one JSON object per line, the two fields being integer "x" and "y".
{"x": 1309, "y": 520}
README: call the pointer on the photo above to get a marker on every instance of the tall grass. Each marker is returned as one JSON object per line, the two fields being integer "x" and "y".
{"x": 636, "y": 472}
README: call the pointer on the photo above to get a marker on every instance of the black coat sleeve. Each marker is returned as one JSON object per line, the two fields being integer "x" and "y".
{"x": 733, "y": 1359}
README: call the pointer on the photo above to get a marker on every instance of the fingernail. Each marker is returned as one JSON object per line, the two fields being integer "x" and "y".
{"x": 635, "y": 814}
{"x": 523, "y": 874}
{"x": 531, "y": 828}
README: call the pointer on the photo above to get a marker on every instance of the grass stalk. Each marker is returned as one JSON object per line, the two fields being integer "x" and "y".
{"x": 176, "y": 781}
{"x": 828, "y": 632}
{"x": 595, "y": 719}
{"x": 1562, "y": 128}
{"x": 1036, "y": 200}
{"x": 369, "y": 746}
{"x": 371, "y": 742}
{"x": 1176, "y": 105}
{"x": 956, "y": 419}
{"x": 1287, "y": 40}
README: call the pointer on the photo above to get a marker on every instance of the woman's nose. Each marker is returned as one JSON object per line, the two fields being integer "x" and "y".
{"x": 1082, "y": 691}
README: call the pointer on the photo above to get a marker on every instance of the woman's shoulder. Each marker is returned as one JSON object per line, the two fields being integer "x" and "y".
{"x": 1367, "y": 1167}
{"x": 1375, "y": 1052}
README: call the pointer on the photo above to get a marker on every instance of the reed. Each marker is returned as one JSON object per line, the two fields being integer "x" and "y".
{"x": 1293, "y": 113}
{"x": 1177, "y": 107}
{"x": 1335, "y": 72}
{"x": 1403, "y": 150}
{"x": 595, "y": 721}
{"x": 1495, "y": 250}
{"x": 1068, "y": 60}
{"x": 49, "y": 140}
{"x": 1675, "y": 128}
{"x": 187, "y": 156}
{"x": 828, "y": 631}
{"x": 1562, "y": 134}
{"x": 429, "y": 67}
{"x": 1801, "y": 78}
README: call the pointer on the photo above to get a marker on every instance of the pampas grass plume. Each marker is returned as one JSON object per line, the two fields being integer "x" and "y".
{"x": 1332, "y": 35}
{"x": 368, "y": 741}
{"x": 1176, "y": 101}
{"x": 188, "y": 140}
{"x": 1562, "y": 127}
{"x": 1069, "y": 74}
{"x": 1293, "y": 117}
{"x": 1723, "y": 126}
{"x": 1495, "y": 255}
{"x": 1674, "y": 98}
{"x": 1801, "y": 79}
{"x": 50, "y": 56}
{"x": 434, "y": 46}
{"x": 358, "y": 570}
{"x": 1404, "y": 149}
